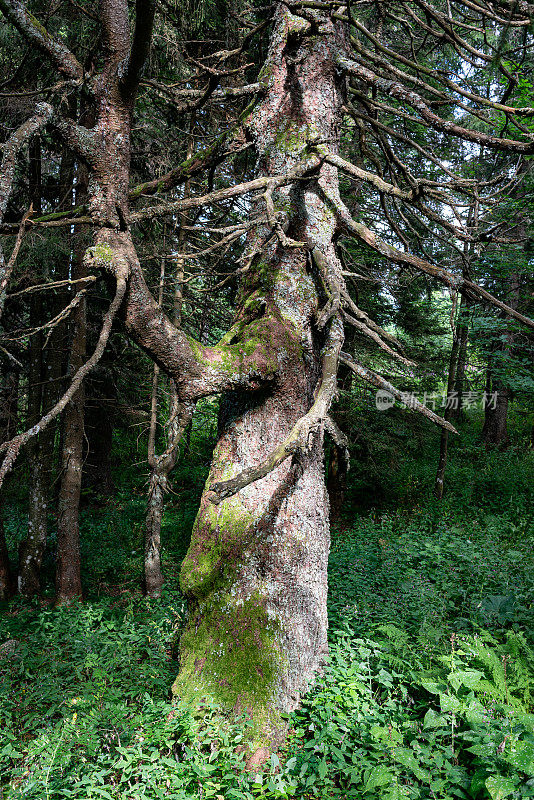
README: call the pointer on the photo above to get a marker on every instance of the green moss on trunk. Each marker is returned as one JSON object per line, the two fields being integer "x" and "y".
{"x": 230, "y": 654}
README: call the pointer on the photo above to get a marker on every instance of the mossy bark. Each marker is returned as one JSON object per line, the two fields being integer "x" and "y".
{"x": 256, "y": 570}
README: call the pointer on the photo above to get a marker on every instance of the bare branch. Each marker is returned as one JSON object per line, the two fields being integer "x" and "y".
{"x": 400, "y": 92}
{"x": 12, "y": 448}
{"x": 32, "y": 30}
{"x": 369, "y": 238}
{"x": 381, "y": 383}
{"x": 11, "y": 148}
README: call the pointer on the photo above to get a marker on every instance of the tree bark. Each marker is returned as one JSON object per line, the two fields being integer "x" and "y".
{"x": 97, "y": 476}
{"x": 495, "y": 429}
{"x": 6, "y": 578}
{"x": 68, "y": 577}
{"x": 31, "y": 550}
{"x": 9, "y": 384}
{"x": 256, "y": 571}
{"x": 444, "y": 438}
{"x": 338, "y": 462}
{"x": 179, "y": 417}
{"x": 460, "y": 382}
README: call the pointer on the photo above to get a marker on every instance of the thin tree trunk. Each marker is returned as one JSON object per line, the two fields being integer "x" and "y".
{"x": 448, "y": 411}
{"x": 9, "y": 383}
{"x": 68, "y": 577}
{"x": 97, "y": 476}
{"x": 460, "y": 383}
{"x": 161, "y": 466}
{"x": 31, "y": 550}
{"x": 336, "y": 483}
{"x": 495, "y": 429}
{"x": 6, "y": 578}
{"x": 157, "y": 483}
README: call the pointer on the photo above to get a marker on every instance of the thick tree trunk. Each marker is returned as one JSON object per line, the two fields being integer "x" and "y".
{"x": 256, "y": 571}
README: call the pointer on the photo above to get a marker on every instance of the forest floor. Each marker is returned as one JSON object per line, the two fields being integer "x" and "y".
{"x": 429, "y": 689}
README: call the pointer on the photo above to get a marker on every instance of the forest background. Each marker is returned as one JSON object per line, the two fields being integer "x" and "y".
{"x": 427, "y": 689}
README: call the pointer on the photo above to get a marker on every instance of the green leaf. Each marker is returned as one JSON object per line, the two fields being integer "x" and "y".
{"x": 405, "y": 757}
{"x": 433, "y": 720}
{"x": 469, "y": 677}
{"x": 323, "y": 769}
{"x": 499, "y": 787}
{"x": 449, "y": 703}
{"x": 379, "y": 776}
{"x": 521, "y": 755}
{"x": 433, "y": 687}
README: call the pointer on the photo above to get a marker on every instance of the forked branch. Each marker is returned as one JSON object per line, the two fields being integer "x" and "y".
{"x": 299, "y": 437}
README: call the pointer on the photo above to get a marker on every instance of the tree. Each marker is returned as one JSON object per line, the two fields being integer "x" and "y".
{"x": 255, "y": 572}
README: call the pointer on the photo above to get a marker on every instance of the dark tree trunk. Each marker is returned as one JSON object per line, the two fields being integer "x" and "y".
{"x": 495, "y": 429}
{"x": 6, "y": 578}
{"x": 460, "y": 383}
{"x": 9, "y": 384}
{"x": 444, "y": 438}
{"x": 68, "y": 577}
{"x": 97, "y": 475}
{"x": 337, "y": 481}
{"x": 31, "y": 550}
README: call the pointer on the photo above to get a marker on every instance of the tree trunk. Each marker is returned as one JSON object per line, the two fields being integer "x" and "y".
{"x": 9, "y": 384}
{"x": 444, "y": 438}
{"x": 256, "y": 570}
{"x": 161, "y": 466}
{"x": 6, "y": 579}
{"x": 68, "y": 578}
{"x": 495, "y": 429}
{"x": 97, "y": 476}
{"x": 338, "y": 464}
{"x": 157, "y": 485}
{"x": 31, "y": 550}
{"x": 337, "y": 481}
{"x": 460, "y": 381}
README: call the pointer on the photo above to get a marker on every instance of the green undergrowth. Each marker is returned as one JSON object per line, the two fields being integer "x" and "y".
{"x": 428, "y": 692}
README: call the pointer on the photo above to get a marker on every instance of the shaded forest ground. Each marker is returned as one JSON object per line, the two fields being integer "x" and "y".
{"x": 429, "y": 688}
